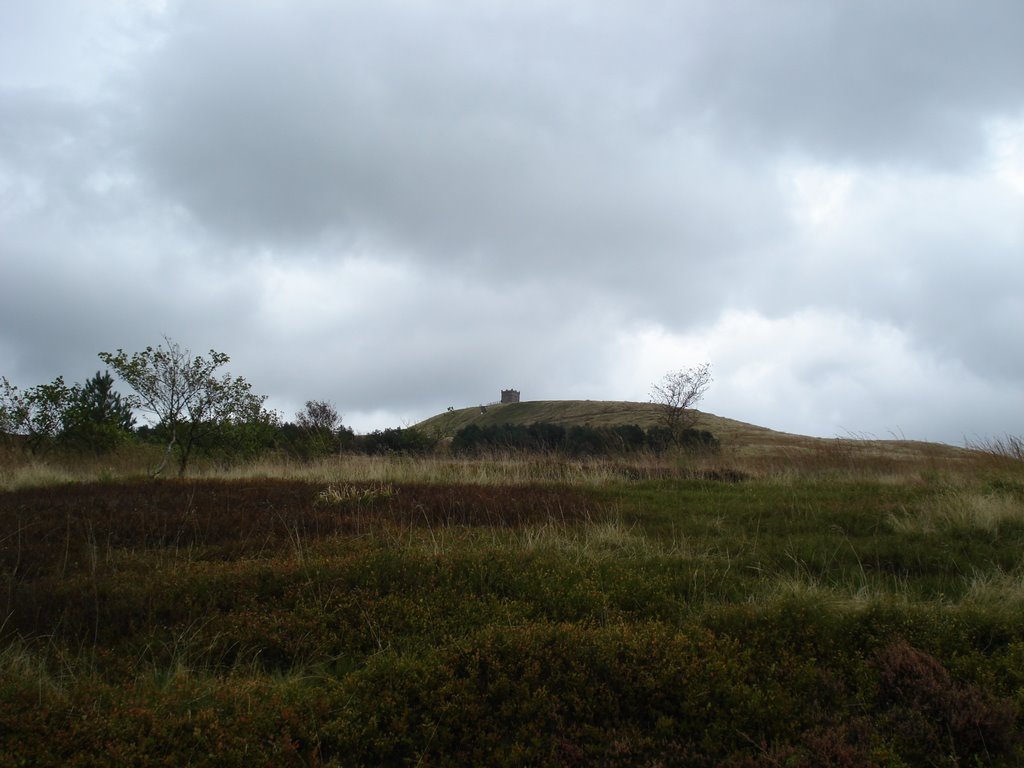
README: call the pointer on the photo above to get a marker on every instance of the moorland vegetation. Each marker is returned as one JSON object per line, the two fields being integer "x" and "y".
{"x": 764, "y": 600}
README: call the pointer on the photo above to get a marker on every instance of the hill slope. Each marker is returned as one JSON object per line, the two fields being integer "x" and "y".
{"x": 736, "y": 436}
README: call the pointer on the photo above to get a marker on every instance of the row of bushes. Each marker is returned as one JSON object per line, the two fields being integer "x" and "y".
{"x": 304, "y": 443}
{"x": 576, "y": 440}
{"x": 249, "y": 441}
{"x": 242, "y": 442}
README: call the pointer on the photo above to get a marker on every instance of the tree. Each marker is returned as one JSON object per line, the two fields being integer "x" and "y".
{"x": 320, "y": 428}
{"x": 677, "y": 395}
{"x": 318, "y": 416}
{"x": 97, "y": 417}
{"x": 190, "y": 405}
{"x": 37, "y": 414}
{"x": 12, "y": 408}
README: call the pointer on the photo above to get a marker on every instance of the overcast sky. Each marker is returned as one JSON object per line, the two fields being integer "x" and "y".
{"x": 399, "y": 206}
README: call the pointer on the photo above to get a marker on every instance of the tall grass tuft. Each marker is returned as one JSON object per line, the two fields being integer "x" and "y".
{"x": 1010, "y": 447}
{"x": 996, "y": 589}
{"x": 961, "y": 509}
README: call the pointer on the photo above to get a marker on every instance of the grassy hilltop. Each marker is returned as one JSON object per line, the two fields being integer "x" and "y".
{"x": 738, "y": 439}
{"x": 596, "y": 413}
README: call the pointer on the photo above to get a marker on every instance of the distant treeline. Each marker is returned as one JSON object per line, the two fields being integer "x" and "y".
{"x": 231, "y": 442}
{"x": 303, "y": 443}
{"x": 196, "y": 411}
{"x": 230, "y": 424}
{"x": 580, "y": 440}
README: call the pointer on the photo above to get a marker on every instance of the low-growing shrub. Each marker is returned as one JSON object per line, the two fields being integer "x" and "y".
{"x": 932, "y": 716}
{"x": 577, "y": 440}
{"x": 677, "y": 620}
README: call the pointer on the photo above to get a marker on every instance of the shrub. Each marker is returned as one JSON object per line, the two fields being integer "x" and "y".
{"x": 577, "y": 441}
{"x": 408, "y": 440}
{"x": 550, "y": 694}
{"x": 930, "y": 713}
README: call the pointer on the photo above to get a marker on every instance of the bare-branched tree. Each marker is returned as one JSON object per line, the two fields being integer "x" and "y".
{"x": 677, "y": 395}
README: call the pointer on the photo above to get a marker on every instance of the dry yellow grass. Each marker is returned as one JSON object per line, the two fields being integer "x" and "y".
{"x": 961, "y": 509}
{"x": 746, "y": 450}
{"x": 997, "y": 589}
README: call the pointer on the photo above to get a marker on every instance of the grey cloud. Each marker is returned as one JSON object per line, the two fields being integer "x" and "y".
{"x": 583, "y": 143}
{"x": 876, "y": 82}
{"x": 531, "y": 185}
{"x": 46, "y": 136}
{"x": 471, "y": 142}
{"x": 74, "y": 302}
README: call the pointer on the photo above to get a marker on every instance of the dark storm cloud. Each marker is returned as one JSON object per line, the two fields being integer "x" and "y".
{"x": 465, "y": 128}
{"x": 452, "y": 133}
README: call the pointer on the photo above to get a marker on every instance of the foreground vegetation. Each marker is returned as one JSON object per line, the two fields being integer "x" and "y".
{"x": 834, "y": 606}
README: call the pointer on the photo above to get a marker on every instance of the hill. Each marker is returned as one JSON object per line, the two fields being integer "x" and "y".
{"x": 738, "y": 437}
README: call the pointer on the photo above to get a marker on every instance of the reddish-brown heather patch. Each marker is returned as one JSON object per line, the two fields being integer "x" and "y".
{"x": 928, "y": 706}
{"x": 42, "y": 530}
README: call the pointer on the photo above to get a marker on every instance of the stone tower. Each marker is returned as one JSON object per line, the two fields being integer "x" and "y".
{"x": 510, "y": 396}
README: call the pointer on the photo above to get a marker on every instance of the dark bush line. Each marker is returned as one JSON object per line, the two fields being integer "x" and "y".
{"x": 230, "y": 443}
{"x": 579, "y": 440}
{"x": 242, "y": 442}
{"x": 397, "y": 440}
{"x": 576, "y": 441}
{"x": 304, "y": 444}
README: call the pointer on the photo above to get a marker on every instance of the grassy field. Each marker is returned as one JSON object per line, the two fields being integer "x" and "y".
{"x": 810, "y": 603}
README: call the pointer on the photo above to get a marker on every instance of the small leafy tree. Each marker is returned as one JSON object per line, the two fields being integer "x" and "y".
{"x": 318, "y": 416}
{"x": 242, "y": 439}
{"x": 320, "y": 428}
{"x": 677, "y": 396}
{"x": 36, "y": 414}
{"x": 12, "y": 408}
{"x": 191, "y": 405}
